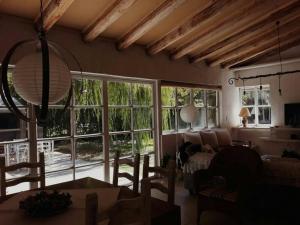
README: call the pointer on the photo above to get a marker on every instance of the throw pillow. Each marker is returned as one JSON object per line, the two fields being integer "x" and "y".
{"x": 224, "y": 138}
{"x": 209, "y": 137}
{"x": 194, "y": 138}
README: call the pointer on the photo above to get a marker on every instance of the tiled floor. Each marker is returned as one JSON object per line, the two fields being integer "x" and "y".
{"x": 187, "y": 202}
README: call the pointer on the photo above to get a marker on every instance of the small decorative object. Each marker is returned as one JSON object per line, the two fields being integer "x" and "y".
{"x": 244, "y": 113}
{"x": 45, "y": 204}
{"x": 188, "y": 113}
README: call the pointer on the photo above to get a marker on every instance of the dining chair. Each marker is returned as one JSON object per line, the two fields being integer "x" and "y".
{"x": 130, "y": 211}
{"x": 40, "y": 177}
{"x": 160, "y": 174}
{"x": 91, "y": 209}
{"x": 126, "y": 161}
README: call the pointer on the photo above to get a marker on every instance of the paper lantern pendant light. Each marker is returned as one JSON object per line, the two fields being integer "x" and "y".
{"x": 188, "y": 113}
{"x": 27, "y": 78}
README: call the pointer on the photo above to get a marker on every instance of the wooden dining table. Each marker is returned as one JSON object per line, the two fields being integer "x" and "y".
{"x": 162, "y": 213}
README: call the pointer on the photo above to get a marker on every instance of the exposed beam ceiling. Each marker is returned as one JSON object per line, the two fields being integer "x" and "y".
{"x": 152, "y": 19}
{"x": 110, "y": 15}
{"x": 286, "y": 40}
{"x": 53, "y": 11}
{"x": 260, "y": 40}
{"x": 190, "y": 25}
{"x": 255, "y": 13}
{"x": 285, "y": 15}
{"x": 221, "y": 32}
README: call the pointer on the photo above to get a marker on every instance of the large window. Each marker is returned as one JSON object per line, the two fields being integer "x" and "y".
{"x": 130, "y": 117}
{"x": 257, "y": 100}
{"x": 74, "y": 139}
{"x": 173, "y": 99}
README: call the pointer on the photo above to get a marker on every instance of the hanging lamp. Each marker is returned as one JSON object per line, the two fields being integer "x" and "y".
{"x": 40, "y": 78}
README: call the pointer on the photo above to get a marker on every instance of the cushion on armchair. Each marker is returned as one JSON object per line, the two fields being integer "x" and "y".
{"x": 194, "y": 138}
{"x": 210, "y": 138}
{"x": 224, "y": 137}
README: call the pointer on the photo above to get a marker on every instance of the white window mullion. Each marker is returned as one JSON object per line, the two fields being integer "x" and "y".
{"x": 105, "y": 128}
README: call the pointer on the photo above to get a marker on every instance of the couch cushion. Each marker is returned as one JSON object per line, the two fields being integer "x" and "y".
{"x": 224, "y": 138}
{"x": 210, "y": 138}
{"x": 194, "y": 138}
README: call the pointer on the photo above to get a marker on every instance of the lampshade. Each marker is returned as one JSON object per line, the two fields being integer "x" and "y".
{"x": 188, "y": 113}
{"x": 244, "y": 112}
{"x": 27, "y": 78}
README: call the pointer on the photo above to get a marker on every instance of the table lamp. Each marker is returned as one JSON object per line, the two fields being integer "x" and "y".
{"x": 244, "y": 113}
{"x": 188, "y": 113}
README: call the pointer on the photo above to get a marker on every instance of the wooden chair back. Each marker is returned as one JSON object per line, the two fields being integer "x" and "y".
{"x": 136, "y": 170}
{"x": 29, "y": 178}
{"x": 91, "y": 209}
{"x": 161, "y": 173}
{"x": 130, "y": 212}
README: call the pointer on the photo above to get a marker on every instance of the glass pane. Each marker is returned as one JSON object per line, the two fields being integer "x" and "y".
{"x": 168, "y": 96}
{"x": 143, "y": 142}
{"x": 251, "y": 119}
{"x": 248, "y": 98}
{"x": 16, "y": 98}
{"x": 212, "y": 117}
{"x": 142, "y": 118}
{"x": 264, "y": 97}
{"x": 199, "y": 98}
{"x": 120, "y": 142}
{"x": 183, "y": 96}
{"x": 201, "y": 118}
{"x": 58, "y": 154}
{"x": 88, "y": 92}
{"x": 118, "y": 93}
{"x": 58, "y": 124}
{"x": 88, "y": 150}
{"x": 168, "y": 119}
{"x": 264, "y": 115}
{"x": 59, "y": 177}
{"x": 11, "y": 128}
{"x": 181, "y": 123}
{"x": 142, "y": 94}
{"x": 211, "y": 97}
{"x": 95, "y": 171}
{"x": 119, "y": 119}
{"x": 16, "y": 153}
{"x": 88, "y": 120}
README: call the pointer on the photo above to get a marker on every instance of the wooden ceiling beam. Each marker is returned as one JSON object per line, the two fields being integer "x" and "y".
{"x": 246, "y": 17}
{"x": 286, "y": 15}
{"x": 255, "y": 43}
{"x": 110, "y": 15}
{"x": 286, "y": 41}
{"x": 152, "y": 19}
{"x": 267, "y": 54}
{"x": 190, "y": 25}
{"x": 53, "y": 11}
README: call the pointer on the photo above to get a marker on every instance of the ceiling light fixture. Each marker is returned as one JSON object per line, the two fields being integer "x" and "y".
{"x": 40, "y": 78}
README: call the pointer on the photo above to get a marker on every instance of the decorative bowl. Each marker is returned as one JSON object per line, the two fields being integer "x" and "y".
{"x": 45, "y": 204}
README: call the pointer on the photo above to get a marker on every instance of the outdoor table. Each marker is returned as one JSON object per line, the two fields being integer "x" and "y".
{"x": 162, "y": 213}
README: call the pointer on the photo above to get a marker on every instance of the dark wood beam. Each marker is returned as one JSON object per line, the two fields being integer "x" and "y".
{"x": 53, "y": 11}
{"x": 110, "y": 15}
{"x": 152, "y": 19}
{"x": 255, "y": 43}
{"x": 285, "y": 15}
{"x": 246, "y": 17}
{"x": 286, "y": 41}
{"x": 190, "y": 25}
{"x": 268, "y": 54}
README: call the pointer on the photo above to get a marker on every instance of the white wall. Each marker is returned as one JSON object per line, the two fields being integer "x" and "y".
{"x": 101, "y": 56}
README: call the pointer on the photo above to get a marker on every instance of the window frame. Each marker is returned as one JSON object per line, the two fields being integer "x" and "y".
{"x": 177, "y": 109}
{"x": 256, "y": 105}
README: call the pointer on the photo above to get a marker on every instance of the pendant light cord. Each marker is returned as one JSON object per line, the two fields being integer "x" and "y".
{"x": 280, "y": 58}
{"x": 41, "y": 31}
